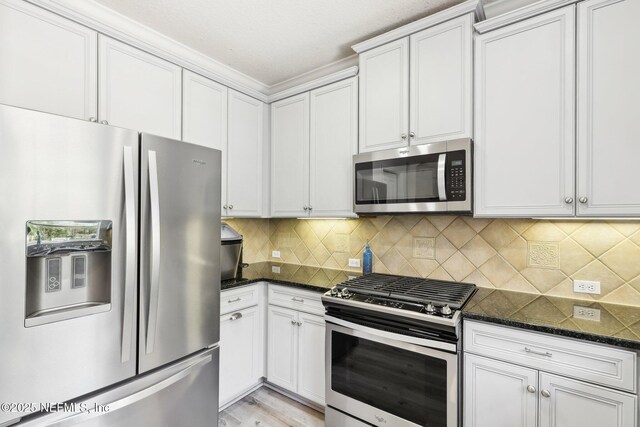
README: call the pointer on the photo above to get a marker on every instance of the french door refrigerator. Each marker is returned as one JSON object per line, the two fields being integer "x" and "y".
{"x": 109, "y": 275}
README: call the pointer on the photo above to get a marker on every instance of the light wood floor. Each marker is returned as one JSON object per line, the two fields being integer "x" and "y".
{"x": 267, "y": 408}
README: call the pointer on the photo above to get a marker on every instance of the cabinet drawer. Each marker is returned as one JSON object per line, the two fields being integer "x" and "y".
{"x": 590, "y": 362}
{"x": 239, "y": 298}
{"x": 296, "y": 299}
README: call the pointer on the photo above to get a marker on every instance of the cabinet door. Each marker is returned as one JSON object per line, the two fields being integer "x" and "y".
{"x": 282, "y": 347}
{"x": 441, "y": 81}
{"x": 608, "y": 93}
{"x": 524, "y": 132}
{"x": 138, "y": 90}
{"x": 290, "y": 157}
{"x": 204, "y": 115}
{"x": 332, "y": 144}
{"x": 311, "y": 365}
{"x": 244, "y": 156}
{"x": 496, "y": 394}
{"x": 240, "y": 355}
{"x": 384, "y": 96}
{"x": 572, "y": 403}
{"x": 47, "y": 63}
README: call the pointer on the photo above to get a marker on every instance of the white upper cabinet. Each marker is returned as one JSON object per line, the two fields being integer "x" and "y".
{"x": 333, "y": 142}
{"x": 608, "y": 112}
{"x": 524, "y": 124}
{"x": 384, "y": 96}
{"x": 290, "y": 156}
{"x": 569, "y": 403}
{"x": 138, "y": 90}
{"x": 441, "y": 82}
{"x": 245, "y": 156}
{"x": 47, "y": 63}
{"x": 204, "y": 115}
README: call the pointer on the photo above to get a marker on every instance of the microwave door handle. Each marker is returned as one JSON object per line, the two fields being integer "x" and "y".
{"x": 442, "y": 168}
{"x": 155, "y": 252}
{"x": 130, "y": 261}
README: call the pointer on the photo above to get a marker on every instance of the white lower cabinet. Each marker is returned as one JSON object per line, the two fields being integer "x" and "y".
{"x": 240, "y": 353}
{"x": 295, "y": 351}
{"x": 498, "y": 393}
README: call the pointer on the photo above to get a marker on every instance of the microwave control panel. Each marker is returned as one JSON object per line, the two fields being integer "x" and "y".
{"x": 456, "y": 180}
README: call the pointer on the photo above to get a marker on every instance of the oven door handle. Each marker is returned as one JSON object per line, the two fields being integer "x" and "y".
{"x": 442, "y": 169}
{"x": 392, "y": 336}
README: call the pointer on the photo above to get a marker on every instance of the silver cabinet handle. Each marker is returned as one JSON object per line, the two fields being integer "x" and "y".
{"x": 235, "y": 316}
{"x": 130, "y": 262}
{"x": 299, "y": 323}
{"x": 154, "y": 290}
{"x": 297, "y": 299}
{"x": 403, "y": 136}
{"x": 531, "y": 389}
{"x": 539, "y": 353}
{"x": 224, "y": 207}
{"x": 234, "y": 300}
{"x": 310, "y": 207}
{"x": 545, "y": 393}
{"x": 93, "y": 120}
{"x": 568, "y": 200}
{"x": 403, "y": 151}
{"x": 305, "y": 207}
{"x": 412, "y": 134}
{"x": 293, "y": 322}
{"x": 583, "y": 199}
{"x": 104, "y": 122}
{"x": 230, "y": 206}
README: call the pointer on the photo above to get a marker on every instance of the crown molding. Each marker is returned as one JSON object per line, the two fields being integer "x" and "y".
{"x": 426, "y": 22}
{"x": 314, "y": 79}
{"x": 111, "y": 23}
{"x": 520, "y": 14}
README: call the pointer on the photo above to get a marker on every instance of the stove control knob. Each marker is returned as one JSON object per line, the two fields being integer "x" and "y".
{"x": 334, "y": 291}
{"x": 346, "y": 293}
{"x": 446, "y": 310}
{"x": 430, "y": 308}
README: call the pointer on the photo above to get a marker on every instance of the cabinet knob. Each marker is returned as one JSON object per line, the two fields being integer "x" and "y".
{"x": 403, "y": 136}
{"x": 230, "y": 206}
{"x": 299, "y": 323}
{"x": 224, "y": 207}
{"x": 545, "y": 393}
{"x": 531, "y": 389}
{"x": 305, "y": 208}
{"x": 568, "y": 200}
{"x": 310, "y": 207}
{"x": 93, "y": 119}
{"x": 104, "y": 122}
{"x": 583, "y": 199}
{"x": 412, "y": 134}
{"x": 293, "y": 322}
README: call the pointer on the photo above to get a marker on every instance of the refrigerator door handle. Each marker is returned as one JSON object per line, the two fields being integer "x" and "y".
{"x": 133, "y": 398}
{"x": 155, "y": 252}
{"x": 130, "y": 262}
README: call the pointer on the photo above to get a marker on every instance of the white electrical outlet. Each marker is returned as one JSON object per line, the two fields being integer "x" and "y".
{"x": 586, "y": 287}
{"x": 586, "y": 313}
{"x": 275, "y": 269}
{"x": 354, "y": 262}
{"x": 275, "y": 254}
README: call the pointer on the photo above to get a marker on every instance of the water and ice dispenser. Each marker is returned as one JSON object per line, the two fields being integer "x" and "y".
{"x": 68, "y": 270}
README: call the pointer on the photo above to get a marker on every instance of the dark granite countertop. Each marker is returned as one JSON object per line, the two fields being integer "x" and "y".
{"x": 300, "y": 276}
{"x": 619, "y": 325}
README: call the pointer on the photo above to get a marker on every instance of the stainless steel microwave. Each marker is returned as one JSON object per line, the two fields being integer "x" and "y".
{"x": 434, "y": 178}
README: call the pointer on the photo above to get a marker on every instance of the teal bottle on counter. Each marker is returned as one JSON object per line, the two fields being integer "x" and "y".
{"x": 367, "y": 260}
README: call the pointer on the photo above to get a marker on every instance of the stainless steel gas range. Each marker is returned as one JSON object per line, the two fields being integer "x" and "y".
{"x": 393, "y": 351}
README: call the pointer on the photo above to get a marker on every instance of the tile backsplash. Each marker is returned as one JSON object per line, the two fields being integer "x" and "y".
{"x": 535, "y": 256}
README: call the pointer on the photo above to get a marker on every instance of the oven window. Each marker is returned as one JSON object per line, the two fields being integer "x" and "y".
{"x": 409, "y": 385}
{"x": 406, "y": 180}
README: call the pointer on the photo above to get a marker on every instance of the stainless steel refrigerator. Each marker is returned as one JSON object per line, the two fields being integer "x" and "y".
{"x": 109, "y": 275}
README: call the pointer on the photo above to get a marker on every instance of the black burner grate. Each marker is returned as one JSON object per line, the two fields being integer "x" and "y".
{"x": 412, "y": 289}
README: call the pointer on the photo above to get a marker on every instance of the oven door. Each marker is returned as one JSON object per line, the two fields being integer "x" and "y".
{"x": 377, "y": 377}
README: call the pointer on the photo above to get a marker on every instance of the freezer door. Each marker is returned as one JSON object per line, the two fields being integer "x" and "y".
{"x": 182, "y": 394}
{"x": 63, "y": 333}
{"x": 180, "y": 250}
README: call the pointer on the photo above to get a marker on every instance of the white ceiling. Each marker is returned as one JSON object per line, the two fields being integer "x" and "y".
{"x": 275, "y": 40}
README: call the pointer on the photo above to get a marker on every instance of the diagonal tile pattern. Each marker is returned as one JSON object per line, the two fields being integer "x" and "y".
{"x": 492, "y": 253}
